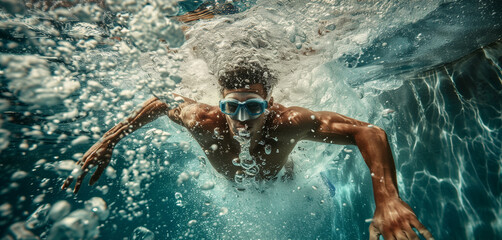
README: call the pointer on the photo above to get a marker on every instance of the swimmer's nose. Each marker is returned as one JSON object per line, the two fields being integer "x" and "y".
{"x": 242, "y": 115}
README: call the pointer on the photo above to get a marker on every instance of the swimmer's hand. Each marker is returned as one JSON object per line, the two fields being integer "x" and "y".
{"x": 395, "y": 219}
{"x": 98, "y": 155}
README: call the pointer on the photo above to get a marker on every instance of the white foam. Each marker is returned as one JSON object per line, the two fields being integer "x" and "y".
{"x": 33, "y": 82}
{"x": 149, "y": 26}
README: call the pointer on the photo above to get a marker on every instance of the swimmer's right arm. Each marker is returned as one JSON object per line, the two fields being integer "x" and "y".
{"x": 101, "y": 152}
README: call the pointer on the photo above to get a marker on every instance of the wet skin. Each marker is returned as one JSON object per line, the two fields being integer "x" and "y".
{"x": 281, "y": 128}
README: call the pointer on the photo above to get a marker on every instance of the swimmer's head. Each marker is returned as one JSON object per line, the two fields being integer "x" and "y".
{"x": 242, "y": 82}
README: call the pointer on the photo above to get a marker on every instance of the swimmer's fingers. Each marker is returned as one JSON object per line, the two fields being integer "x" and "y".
{"x": 410, "y": 234}
{"x": 97, "y": 173}
{"x": 69, "y": 179}
{"x": 67, "y": 182}
{"x": 80, "y": 179}
{"x": 104, "y": 158}
{"x": 421, "y": 228}
{"x": 402, "y": 234}
{"x": 374, "y": 232}
{"x": 85, "y": 170}
{"x": 89, "y": 159}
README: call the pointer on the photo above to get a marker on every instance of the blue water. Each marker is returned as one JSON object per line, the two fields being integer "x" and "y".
{"x": 428, "y": 72}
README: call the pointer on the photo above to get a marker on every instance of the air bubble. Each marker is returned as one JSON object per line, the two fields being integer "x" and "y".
{"x": 239, "y": 177}
{"x": 143, "y": 233}
{"x": 247, "y": 163}
{"x": 192, "y": 222}
{"x": 268, "y": 149}
{"x": 38, "y": 218}
{"x": 223, "y": 211}
{"x": 236, "y": 162}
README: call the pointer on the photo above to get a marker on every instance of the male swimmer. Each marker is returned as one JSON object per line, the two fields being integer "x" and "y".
{"x": 247, "y": 110}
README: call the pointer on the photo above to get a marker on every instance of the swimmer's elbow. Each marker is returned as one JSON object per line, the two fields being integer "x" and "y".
{"x": 372, "y": 132}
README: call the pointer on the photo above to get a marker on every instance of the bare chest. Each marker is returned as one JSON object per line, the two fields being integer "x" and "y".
{"x": 262, "y": 158}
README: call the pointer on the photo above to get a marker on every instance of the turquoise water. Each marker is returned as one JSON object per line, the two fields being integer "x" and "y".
{"x": 428, "y": 72}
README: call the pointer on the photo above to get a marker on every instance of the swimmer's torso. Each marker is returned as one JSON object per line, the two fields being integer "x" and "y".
{"x": 269, "y": 149}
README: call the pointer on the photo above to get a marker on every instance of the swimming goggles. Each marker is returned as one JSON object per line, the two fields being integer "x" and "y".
{"x": 242, "y": 111}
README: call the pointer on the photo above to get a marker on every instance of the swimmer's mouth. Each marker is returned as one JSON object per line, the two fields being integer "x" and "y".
{"x": 238, "y": 127}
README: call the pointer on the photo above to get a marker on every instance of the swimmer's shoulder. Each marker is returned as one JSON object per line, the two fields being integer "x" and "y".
{"x": 202, "y": 117}
{"x": 291, "y": 116}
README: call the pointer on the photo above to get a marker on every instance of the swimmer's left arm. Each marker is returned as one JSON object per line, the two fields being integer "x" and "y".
{"x": 100, "y": 154}
{"x": 393, "y": 218}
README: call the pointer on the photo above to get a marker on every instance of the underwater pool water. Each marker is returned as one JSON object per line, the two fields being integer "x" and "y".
{"x": 427, "y": 71}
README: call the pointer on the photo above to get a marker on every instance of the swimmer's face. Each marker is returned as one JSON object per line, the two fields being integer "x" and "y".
{"x": 252, "y": 124}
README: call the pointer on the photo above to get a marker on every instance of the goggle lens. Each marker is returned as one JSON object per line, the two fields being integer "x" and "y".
{"x": 254, "y": 107}
{"x": 231, "y": 107}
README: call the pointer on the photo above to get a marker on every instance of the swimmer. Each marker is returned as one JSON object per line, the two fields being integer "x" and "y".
{"x": 247, "y": 110}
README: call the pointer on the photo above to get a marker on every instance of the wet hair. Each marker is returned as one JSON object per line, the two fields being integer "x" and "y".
{"x": 245, "y": 74}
